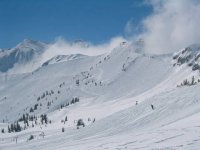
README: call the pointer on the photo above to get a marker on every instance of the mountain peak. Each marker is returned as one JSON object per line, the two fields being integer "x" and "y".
{"x": 28, "y": 43}
{"x": 23, "y": 53}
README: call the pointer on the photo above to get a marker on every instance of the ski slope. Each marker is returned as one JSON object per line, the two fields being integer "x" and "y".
{"x": 108, "y": 87}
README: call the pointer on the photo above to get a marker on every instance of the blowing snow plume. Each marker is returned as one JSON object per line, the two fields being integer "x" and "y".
{"x": 173, "y": 25}
{"x": 63, "y": 47}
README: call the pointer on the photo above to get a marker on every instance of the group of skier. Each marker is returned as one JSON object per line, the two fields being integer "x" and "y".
{"x": 152, "y": 106}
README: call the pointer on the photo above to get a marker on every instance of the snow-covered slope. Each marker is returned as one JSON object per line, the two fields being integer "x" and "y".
{"x": 62, "y": 58}
{"x": 21, "y": 55}
{"x": 126, "y": 99}
{"x": 189, "y": 56}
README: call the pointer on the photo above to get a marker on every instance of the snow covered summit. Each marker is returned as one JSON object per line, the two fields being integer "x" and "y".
{"x": 20, "y": 55}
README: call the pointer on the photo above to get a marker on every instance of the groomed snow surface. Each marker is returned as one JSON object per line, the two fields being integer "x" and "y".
{"x": 117, "y": 90}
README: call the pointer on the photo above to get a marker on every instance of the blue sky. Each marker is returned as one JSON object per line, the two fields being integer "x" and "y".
{"x": 92, "y": 20}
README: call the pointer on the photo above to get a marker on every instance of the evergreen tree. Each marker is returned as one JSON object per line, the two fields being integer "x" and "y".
{"x": 80, "y": 123}
{"x": 67, "y": 104}
{"x": 76, "y": 99}
{"x": 52, "y": 92}
{"x": 24, "y": 118}
{"x": 192, "y": 82}
{"x": 72, "y": 101}
{"x": 18, "y": 128}
{"x": 77, "y": 82}
{"x": 66, "y": 118}
{"x": 27, "y": 123}
{"x": 2, "y": 131}
{"x": 45, "y": 118}
{"x": 31, "y": 137}
{"x": 63, "y": 129}
{"x": 31, "y": 110}
{"x": 38, "y": 98}
{"x": 42, "y": 120}
{"x": 12, "y": 128}
{"x": 9, "y": 130}
{"x": 35, "y": 106}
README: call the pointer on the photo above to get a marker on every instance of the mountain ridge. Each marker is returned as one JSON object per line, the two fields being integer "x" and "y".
{"x": 122, "y": 96}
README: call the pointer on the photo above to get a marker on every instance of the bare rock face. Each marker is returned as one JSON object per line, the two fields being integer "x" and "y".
{"x": 189, "y": 56}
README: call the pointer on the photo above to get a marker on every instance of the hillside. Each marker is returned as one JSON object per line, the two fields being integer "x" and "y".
{"x": 127, "y": 99}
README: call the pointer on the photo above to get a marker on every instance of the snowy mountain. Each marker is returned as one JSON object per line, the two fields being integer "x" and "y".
{"x": 62, "y": 58}
{"x": 189, "y": 56}
{"x": 20, "y": 55}
{"x": 124, "y": 99}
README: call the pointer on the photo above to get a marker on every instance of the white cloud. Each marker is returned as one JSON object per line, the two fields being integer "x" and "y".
{"x": 174, "y": 24}
{"x": 129, "y": 27}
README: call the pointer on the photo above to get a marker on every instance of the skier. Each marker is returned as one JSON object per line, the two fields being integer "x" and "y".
{"x": 152, "y": 107}
{"x": 43, "y": 134}
{"x": 16, "y": 139}
{"x": 136, "y": 103}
